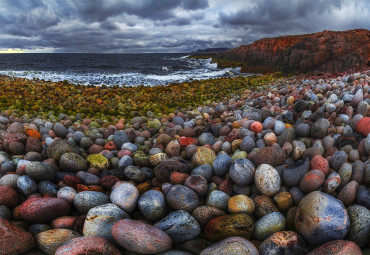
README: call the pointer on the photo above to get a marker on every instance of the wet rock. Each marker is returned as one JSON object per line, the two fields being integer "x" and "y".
{"x": 339, "y": 247}
{"x": 50, "y": 240}
{"x": 180, "y": 197}
{"x": 203, "y": 214}
{"x": 86, "y": 200}
{"x": 231, "y": 245}
{"x": 221, "y": 164}
{"x": 125, "y": 196}
{"x": 273, "y": 156}
{"x": 152, "y": 205}
{"x": 58, "y": 147}
{"x": 267, "y": 180}
{"x": 283, "y": 242}
{"x": 72, "y": 162}
{"x": 242, "y": 172}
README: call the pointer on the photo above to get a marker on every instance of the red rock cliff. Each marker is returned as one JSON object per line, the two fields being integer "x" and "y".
{"x": 324, "y": 52}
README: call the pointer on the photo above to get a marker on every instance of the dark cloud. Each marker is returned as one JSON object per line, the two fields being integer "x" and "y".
{"x": 166, "y": 25}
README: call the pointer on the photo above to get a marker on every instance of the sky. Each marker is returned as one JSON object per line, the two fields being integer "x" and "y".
{"x": 138, "y": 26}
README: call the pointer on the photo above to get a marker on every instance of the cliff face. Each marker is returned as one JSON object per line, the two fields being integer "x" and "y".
{"x": 324, "y": 52}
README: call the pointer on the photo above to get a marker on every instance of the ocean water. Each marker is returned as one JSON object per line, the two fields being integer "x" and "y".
{"x": 111, "y": 69}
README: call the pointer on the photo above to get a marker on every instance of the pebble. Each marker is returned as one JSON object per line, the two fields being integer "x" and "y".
{"x": 39, "y": 171}
{"x": 268, "y": 225}
{"x": 87, "y": 245}
{"x": 333, "y": 221}
{"x": 241, "y": 204}
{"x": 242, "y": 172}
{"x": 180, "y": 197}
{"x": 218, "y": 199}
{"x": 100, "y": 220}
{"x": 221, "y": 164}
{"x": 86, "y": 200}
{"x": 179, "y": 225}
{"x": 312, "y": 181}
{"x": 50, "y": 240}
{"x": 152, "y": 205}
{"x": 283, "y": 242}
{"x": 72, "y": 162}
{"x": 339, "y": 247}
{"x": 267, "y": 180}
{"x": 125, "y": 196}
{"x": 203, "y": 214}
{"x": 231, "y": 245}
{"x": 320, "y": 128}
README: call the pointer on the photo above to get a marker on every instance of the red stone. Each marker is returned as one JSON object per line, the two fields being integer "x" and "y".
{"x": 178, "y": 178}
{"x": 14, "y": 240}
{"x": 256, "y": 127}
{"x": 110, "y": 146}
{"x": 33, "y": 144}
{"x": 337, "y": 247}
{"x": 320, "y": 163}
{"x": 81, "y": 187}
{"x": 185, "y": 141}
{"x": 312, "y": 181}
{"x": 107, "y": 182}
{"x": 66, "y": 222}
{"x": 95, "y": 149}
{"x": 71, "y": 180}
{"x": 226, "y": 186}
{"x": 39, "y": 210}
{"x": 8, "y": 196}
{"x": 363, "y": 126}
{"x": 87, "y": 245}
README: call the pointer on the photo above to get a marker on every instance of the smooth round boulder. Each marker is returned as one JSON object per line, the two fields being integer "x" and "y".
{"x": 72, "y": 162}
{"x": 27, "y": 185}
{"x": 180, "y": 226}
{"x": 86, "y": 200}
{"x": 242, "y": 172}
{"x": 218, "y": 199}
{"x": 44, "y": 209}
{"x": 203, "y": 214}
{"x": 221, "y": 164}
{"x": 312, "y": 180}
{"x": 221, "y": 227}
{"x": 100, "y": 220}
{"x": 283, "y": 242}
{"x": 241, "y": 204}
{"x": 180, "y": 197}
{"x": 39, "y": 171}
{"x": 58, "y": 147}
{"x": 320, "y": 128}
{"x": 125, "y": 196}
{"x": 87, "y": 245}
{"x": 268, "y": 225}
{"x": 337, "y": 247}
{"x": 60, "y": 130}
{"x": 98, "y": 161}
{"x": 50, "y": 240}
{"x": 359, "y": 230}
{"x": 231, "y": 246}
{"x": 8, "y": 196}
{"x": 321, "y": 218}
{"x": 267, "y": 180}
{"x": 140, "y": 237}
{"x": 152, "y": 205}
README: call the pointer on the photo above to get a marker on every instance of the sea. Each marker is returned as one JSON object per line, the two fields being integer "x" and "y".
{"x": 150, "y": 69}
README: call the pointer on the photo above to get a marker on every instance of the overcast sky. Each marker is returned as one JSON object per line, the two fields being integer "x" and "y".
{"x": 127, "y": 26}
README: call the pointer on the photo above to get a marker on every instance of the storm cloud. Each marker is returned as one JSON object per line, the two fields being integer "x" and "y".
{"x": 126, "y": 26}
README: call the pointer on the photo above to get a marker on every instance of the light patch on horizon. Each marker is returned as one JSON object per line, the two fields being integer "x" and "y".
{"x": 12, "y": 51}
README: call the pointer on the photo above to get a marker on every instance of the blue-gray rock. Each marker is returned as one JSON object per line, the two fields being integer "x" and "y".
{"x": 77, "y": 136}
{"x": 125, "y": 161}
{"x": 34, "y": 229}
{"x": 86, "y": 200}
{"x": 359, "y": 230}
{"x": 242, "y": 172}
{"x": 180, "y": 226}
{"x": 130, "y": 147}
{"x": 4, "y": 157}
{"x": 178, "y": 121}
{"x": 302, "y": 130}
{"x": 231, "y": 245}
{"x": 279, "y": 127}
{"x": 221, "y": 164}
{"x": 58, "y": 147}
{"x": 338, "y": 159}
{"x": 363, "y": 196}
{"x": 125, "y": 196}
{"x": 292, "y": 176}
{"x": 40, "y": 171}
{"x": 206, "y": 138}
{"x": 135, "y": 173}
{"x": 180, "y": 197}
{"x": 67, "y": 193}
{"x": 320, "y": 128}
{"x": 203, "y": 170}
{"x": 218, "y": 199}
{"x": 152, "y": 205}
{"x": 9, "y": 179}
{"x": 47, "y": 187}
{"x": 72, "y": 162}
{"x": 88, "y": 178}
{"x": 7, "y": 166}
{"x": 27, "y": 185}
{"x": 119, "y": 138}
{"x": 60, "y": 130}
{"x": 247, "y": 144}
{"x": 268, "y": 225}
{"x": 100, "y": 220}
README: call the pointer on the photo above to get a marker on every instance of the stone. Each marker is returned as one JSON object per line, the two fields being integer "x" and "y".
{"x": 87, "y": 245}
{"x": 8, "y": 196}
{"x": 50, "y": 240}
{"x": 298, "y": 148}
{"x": 348, "y": 193}
{"x": 221, "y": 227}
{"x": 362, "y": 197}
{"x": 203, "y": 214}
{"x": 338, "y": 159}
{"x": 14, "y": 240}
{"x": 268, "y": 225}
{"x": 241, "y": 204}
{"x": 279, "y": 127}
{"x": 152, "y": 205}
{"x": 164, "y": 169}
{"x": 100, "y": 220}
{"x": 206, "y": 138}
{"x": 242, "y": 172}
{"x": 218, "y": 199}
{"x": 60, "y": 130}
{"x": 180, "y": 226}
{"x": 312, "y": 181}
{"x": 221, "y": 164}
{"x": 119, "y": 138}
{"x": 331, "y": 183}
{"x": 86, "y": 200}
{"x": 288, "y": 135}
{"x": 284, "y": 201}
{"x": 247, "y": 144}
{"x": 98, "y": 161}
{"x": 39, "y": 171}
{"x": 198, "y": 184}
{"x": 283, "y": 242}
{"x": 40, "y": 210}
{"x": 180, "y": 197}
{"x": 363, "y": 126}
{"x": 320, "y": 163}
{"x": 273, "y": 156}
{"x": 302, "y": 130}
{"x": 331, "y": 218}
{"x": 125, "y": 196}
{"x": 232, "y": 246}
{"x": 320, "y": 128}
{"x": 338, "y": 247}
{"x": 58, "y": 147}
{"x": 267, "y": 180}
{"x": 203, "y": 156}
{"x": 293, "y": 175}
{"x": 72, "y": 162}
{"x": 359, "y": 230}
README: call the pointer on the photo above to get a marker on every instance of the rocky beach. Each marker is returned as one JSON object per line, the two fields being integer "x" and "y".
{"x": 245, "y": 165}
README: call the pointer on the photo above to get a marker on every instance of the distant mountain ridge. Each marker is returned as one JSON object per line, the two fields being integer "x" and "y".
{"x": 323, "y": 52}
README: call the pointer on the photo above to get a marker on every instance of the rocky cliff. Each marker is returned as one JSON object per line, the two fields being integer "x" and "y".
{"x": 324, "y": 52}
